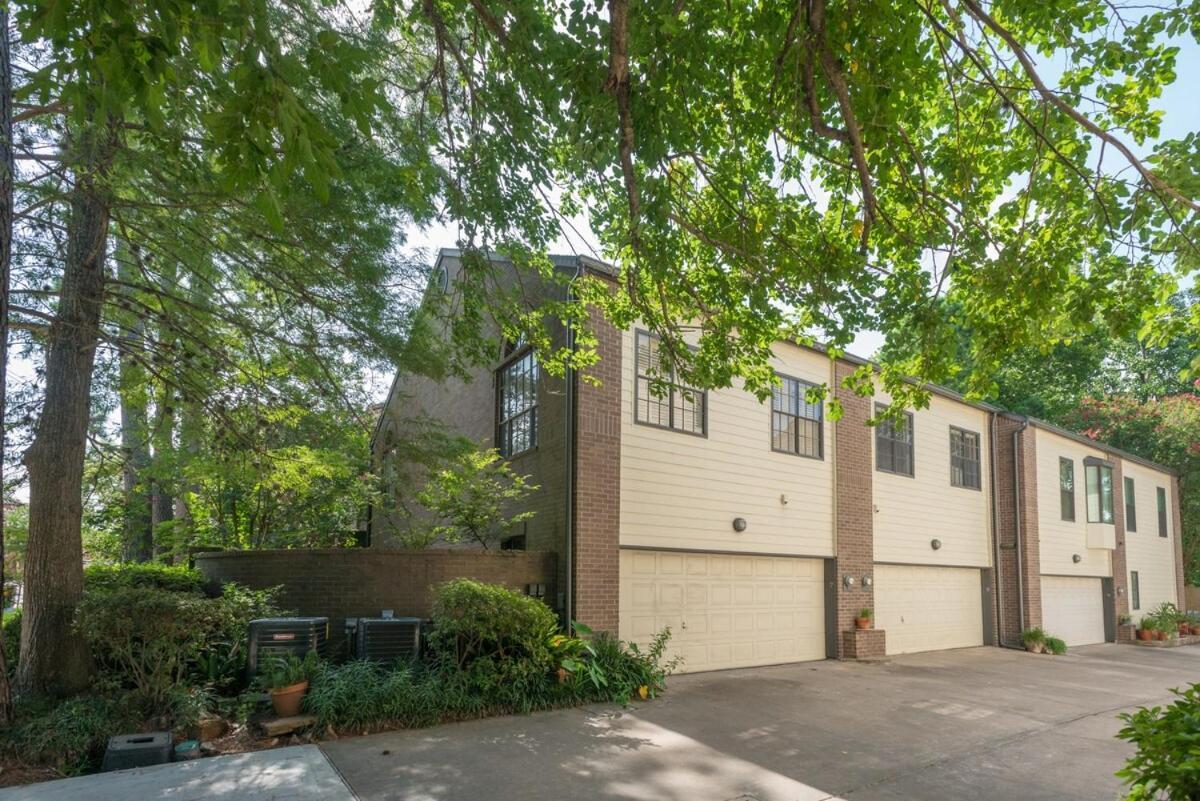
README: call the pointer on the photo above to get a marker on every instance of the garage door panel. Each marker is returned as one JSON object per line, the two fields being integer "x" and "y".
{"x": 926, "y": 608}
{"x": 1073, "y": 609}
{"x": 725, "y": 611}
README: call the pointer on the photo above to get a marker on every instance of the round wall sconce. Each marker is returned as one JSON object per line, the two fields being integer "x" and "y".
{"x": 848, "y": 581}
{"x": 1120, "y": 590}
{"x": 739, "y": 524}
{"x": 867, "y": 582}
{"x": 935, "y": 544}
{"x": 1076, "y": 558}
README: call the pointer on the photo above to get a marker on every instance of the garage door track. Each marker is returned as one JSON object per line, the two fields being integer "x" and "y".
{"x": 979, "y": 723}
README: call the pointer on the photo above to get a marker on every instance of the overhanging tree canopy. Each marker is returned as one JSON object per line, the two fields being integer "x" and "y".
{"x": 821, "y": 167}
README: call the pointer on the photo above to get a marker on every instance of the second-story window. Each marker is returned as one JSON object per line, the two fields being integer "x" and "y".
{"x": 795, "y": 423}
{"x": 675, "y": 405}
{"x": 1162, "y": 511}
{"x": 894, "y": 444}
{"x": 1130, "y": 506}
{"x": 964, "y": 459}
{"x": 1066, "y": 488}
{"x": 1098, "y": 480}
{"x": 516, "y": 405}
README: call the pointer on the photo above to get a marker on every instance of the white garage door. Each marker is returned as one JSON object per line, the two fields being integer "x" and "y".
{"x": 928, "y": 608}
{"x": 1073, "y": 609}
{"x": 725, "y": 611}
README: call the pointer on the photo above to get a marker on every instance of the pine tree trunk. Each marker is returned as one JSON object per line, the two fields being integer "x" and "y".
{"x": 54, "y": 660}
{"x": 138, "y": 539}
{"x": 6, "y": 227}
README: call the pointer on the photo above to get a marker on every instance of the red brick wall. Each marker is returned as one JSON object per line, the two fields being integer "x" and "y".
{"x": 1177, "y": 532}
{"x": 349, "y": 582}
{"x": 1120, "y": 574}
{"x": 1029, "y": 585}
{"x": 598, "y": 484}
{"x": 854, "y": 544}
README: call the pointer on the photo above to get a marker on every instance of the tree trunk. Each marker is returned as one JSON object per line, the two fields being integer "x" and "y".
{"x": 54, "y": 660}
{"x": 133, "y": 388}
{"x": 6, "y": 226}
{"x": 165, "y": 463}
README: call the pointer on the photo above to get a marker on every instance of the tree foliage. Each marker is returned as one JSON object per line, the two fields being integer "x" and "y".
{"x": 471, "y": 500}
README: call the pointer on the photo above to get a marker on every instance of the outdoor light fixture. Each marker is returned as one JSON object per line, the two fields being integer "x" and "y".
{"x": 867, "y": 581}
{"x": 1076, "y": 558}
{"x": 935, "y": 544}
{"x": 848, "y": 581}
{"x": 739, "y": 524}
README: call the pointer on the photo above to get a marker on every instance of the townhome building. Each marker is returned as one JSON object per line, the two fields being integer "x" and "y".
{"x": 757, "y": 531}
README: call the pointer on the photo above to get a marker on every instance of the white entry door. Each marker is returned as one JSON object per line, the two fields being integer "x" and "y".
{"x": 1073, "y": 609}
{"x": 724, "y": 610}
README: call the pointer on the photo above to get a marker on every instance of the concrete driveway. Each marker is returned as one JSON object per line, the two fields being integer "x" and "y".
{"x": 981, "y": 724}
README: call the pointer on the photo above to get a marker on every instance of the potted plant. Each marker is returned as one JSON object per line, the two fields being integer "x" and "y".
{"x": 863, "y": 621}
{"x": 1034, "y": 640}
{"x": 1056, "y": 646}
{"x": 1146, "y": 630}
{"x": 1193, "y": 624}
{"x": 286, "y": 680}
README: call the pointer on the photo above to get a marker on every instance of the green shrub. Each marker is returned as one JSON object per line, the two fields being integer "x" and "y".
{"x": 1056, "y": 646}
{"x": 499, "y": 639}
{"x": 362, "y": 695}
{"x": 12, "y": 640}
{"x": 1165, "y": 764}
{"x": 109, "y": 578}
{"x": 612, "y": 670}
{"x": 1034, "y": 636}
{"x": 156, "y": 641}
{"x": 70, "y": 735}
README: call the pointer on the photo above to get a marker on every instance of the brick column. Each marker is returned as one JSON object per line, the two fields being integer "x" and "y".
{"x": 854, "y": 543}
{"x": 1120, "y": 571}
{"x": 1029, "y": 585}
{"x": 1177, "y": 532}
{"x": 597, "y": 484}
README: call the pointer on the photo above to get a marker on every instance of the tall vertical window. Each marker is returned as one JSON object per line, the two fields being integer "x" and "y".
{"x": 1066, "y": 488}
{"x": 1135, "y": 591}
{"x": 1130, "y": 506}
{"x": 516, "y": 405}
{"x": 795, "y": 423}
{"x": 1098, "y": 478}
{"x": 964, "y": 459}
{"x": 660, "y": 400}
{"x": 894, "y": 444}
{"x": 1162, "y": 511}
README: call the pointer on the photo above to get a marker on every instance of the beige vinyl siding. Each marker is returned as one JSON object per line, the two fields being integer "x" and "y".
{"x": 1152, "y": 556}
{"x": 910, "y": 512}
{"x": 683, "y": 491}
{"x": 1061, "y": 539}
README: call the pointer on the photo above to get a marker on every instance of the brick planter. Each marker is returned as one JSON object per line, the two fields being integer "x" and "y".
{"x": 1171, "y": 643}
{"x": 864, "y": 644}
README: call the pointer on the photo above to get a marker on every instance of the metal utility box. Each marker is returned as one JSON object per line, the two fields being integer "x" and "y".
{"x": 137, "y": 750}
{"x": 387, "y": 639}
{"x": 283, "y": 636}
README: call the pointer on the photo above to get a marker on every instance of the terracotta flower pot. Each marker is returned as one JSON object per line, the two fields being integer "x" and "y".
{"x": 1195, "y": 630}
{"x": 1184, "y": 629}
{"x": 1145, "y": 634}
{"x": 1035, "y": 647}
{"x": 862, "y": 622}
{"x": 1160, "y": 635}
{"x": 286, "y": 700}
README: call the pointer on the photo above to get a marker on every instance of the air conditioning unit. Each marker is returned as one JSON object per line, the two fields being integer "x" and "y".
{"x": 281, "y": 636}
{"x": 388, "y": 639}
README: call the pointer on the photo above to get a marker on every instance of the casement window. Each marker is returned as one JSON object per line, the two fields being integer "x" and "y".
{"x": 964, "y": 459}
{"x": 1135, "y": 591}
{"x": 1130, "y": 506}
{"x": 1162, "y": 511}
{"x": 1066, "y": 488}
{"x": 1098, "y": 482}
{"x": 516, "y": 405}
{"x": 795, "y": 423}
{"x": 894, "y": 444}
{"x": 659, "y": 399}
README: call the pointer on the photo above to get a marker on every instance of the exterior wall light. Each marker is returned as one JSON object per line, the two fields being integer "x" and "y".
{"x": 866, "y": 581}
{"x": 935, "y": 544}
{"x": 739, "y": 524}
{"x": 847, "y": 581}
{"x": 1076, "y": 558}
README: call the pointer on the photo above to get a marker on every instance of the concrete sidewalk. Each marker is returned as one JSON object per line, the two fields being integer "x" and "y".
{"x": 296, "y": 773}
